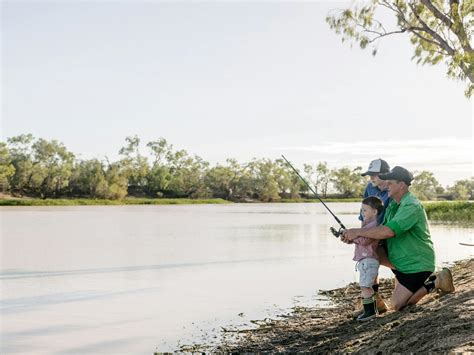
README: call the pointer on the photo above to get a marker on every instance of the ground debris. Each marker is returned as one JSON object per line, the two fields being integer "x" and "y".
{"x": 439, "y": 323}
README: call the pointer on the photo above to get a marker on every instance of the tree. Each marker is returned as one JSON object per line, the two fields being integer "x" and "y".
{"x": 55, "y": 162}
{"x": 159, "y": 176}
{"x": 349, "y": 183}
{"x": 134, "y": 165}
{"x": 440, "y": 30}
{"x": 222, "y": 180}
{"x": 158, "y": 180}
{"x": 242, "y": 184}
{"x": 117, "y": 183}
{"x": 88, "y": 178}
{"x": 187, "y": 175}
{"x": 42, "y": 167}
{"x": 318, "y": 176}
{"x": 425, "y": 186}
{"x": 20, "y": 151}
{"x": 263, "y": 175}
{"x": 323, "y": 175}
{"x": 310, "y": 177}
{"x": 6, "y": 167}
{"x": 463, "y": 189}
{"x": 288, "y": 182}
{"x": 160, "y": 150}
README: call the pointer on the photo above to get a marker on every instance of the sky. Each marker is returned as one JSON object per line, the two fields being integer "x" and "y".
{"x": 226, "y": 79}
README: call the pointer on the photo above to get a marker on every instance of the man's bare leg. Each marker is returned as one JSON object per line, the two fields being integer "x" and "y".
{"x": 400, "y": 296}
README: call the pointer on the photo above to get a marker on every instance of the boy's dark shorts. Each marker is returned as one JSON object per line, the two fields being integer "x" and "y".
{"x": 414, "y": 281}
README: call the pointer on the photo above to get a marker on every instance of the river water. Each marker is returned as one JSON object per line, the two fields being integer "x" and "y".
{"x": 139, "y": 279}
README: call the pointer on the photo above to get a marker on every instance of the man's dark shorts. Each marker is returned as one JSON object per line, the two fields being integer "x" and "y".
{"x": 414, "y": 281}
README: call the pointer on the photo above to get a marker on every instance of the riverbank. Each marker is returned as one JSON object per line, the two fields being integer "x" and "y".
{"x": 442, "y": 211}
{"x": 6, "y": 200}
{"x": 103, "y": 202}
{"x": 439, "y": 323}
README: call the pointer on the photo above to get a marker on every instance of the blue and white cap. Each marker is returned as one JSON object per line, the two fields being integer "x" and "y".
{"x": 376, "y": 167}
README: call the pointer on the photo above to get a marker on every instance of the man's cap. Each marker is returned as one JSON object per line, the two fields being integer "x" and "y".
{"x": 377, "y": 166}
{"x": 398, "y": 173}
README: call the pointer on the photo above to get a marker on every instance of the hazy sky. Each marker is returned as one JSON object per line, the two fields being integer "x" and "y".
{"x": 226, "y": 80}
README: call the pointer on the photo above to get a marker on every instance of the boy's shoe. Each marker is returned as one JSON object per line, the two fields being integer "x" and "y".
{"x": 359, "y": 310}
{"x": 381, "y": 306}
{"x": 370, "y": 310}
{"x": 444, "y": 281}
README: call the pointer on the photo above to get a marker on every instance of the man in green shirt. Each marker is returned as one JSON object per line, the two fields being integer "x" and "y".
{"x": 409, "y": 245}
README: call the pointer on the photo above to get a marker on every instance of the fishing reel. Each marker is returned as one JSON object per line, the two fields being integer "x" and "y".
{"x": 336, "y": 233}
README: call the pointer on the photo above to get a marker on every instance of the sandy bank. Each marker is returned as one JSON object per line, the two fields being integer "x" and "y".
{"x": 440, "y": 322}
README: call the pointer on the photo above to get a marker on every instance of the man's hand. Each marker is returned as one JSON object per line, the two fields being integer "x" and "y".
{"x": 348, "y": 235}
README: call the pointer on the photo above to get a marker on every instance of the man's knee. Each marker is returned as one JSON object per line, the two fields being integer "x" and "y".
{"x": 397, "y": 305}
{"x": 400, "y": 299}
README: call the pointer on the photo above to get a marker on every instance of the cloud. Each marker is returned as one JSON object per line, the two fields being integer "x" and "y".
{"x": 438, "y": 154}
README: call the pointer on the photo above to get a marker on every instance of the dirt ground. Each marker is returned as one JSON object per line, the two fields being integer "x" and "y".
{"x": 438, "y": 323}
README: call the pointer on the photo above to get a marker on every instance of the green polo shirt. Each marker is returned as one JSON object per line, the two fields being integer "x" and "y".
{"x": 411, "y": 249}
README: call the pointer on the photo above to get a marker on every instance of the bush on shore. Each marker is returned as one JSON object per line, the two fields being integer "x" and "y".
{"x": 450, "y": 211}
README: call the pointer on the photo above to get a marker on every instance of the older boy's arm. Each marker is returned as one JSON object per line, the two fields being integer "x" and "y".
{"x": 379, "y": 232}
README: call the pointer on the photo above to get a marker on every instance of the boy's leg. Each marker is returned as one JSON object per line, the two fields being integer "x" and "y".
{"x": 368, "y": 269}
{"x": 381, "y": 305}
{"x": 367, "y": 292}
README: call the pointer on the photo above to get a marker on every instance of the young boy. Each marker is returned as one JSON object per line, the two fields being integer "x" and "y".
{"x": 365, "y": 254}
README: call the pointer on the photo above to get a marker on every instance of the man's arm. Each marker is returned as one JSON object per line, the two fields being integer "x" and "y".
{"x": 379, "y": 232}
{"x": 366, "y": 194}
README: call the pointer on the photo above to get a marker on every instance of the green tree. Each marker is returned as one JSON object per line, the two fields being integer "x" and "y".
{"x": 240, "y": 181}
{"x": 158, "y": 180}
{"x": 310, "y": 177}
{"x": 7, "y": 170}
{"x": 318, "y": 176}
{"x": 187, "y": 175}
{"x": 134, "y": 165}
{"x": 264, "y": 179}
{"x": 117, "y": 183}
{"x": 288, "y": 183}
{"x": 222, "y": 181}
{"x": 425, "y": 186}
{"x": 89, "y": 179}
{"x": 20, "y": 149}
{"x": 42, "y": 168}
{"x": 160, "y": 150}
{"x": 159, "y": 176}
{"x": 463, "y": 189}
{"x": 439, "y": 30}
{"x": 348, "y": 182}
{"x": 323, "y": 177}
{"x": 56, "y": 163}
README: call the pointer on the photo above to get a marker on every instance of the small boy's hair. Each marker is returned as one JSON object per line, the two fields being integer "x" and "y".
{"x": 374, "y": 202}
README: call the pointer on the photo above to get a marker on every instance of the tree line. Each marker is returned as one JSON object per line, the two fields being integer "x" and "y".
{"x": 36, "y": 167}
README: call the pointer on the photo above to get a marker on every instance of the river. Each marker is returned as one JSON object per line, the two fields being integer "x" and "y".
{"x": 139, "y": 279}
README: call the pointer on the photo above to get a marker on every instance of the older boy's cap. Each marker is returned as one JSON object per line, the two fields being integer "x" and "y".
{"x": 398, "y": 173}
{"x": 376, "y": 167}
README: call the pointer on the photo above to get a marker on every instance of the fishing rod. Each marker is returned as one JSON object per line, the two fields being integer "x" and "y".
{"x": 333, "y": 231}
